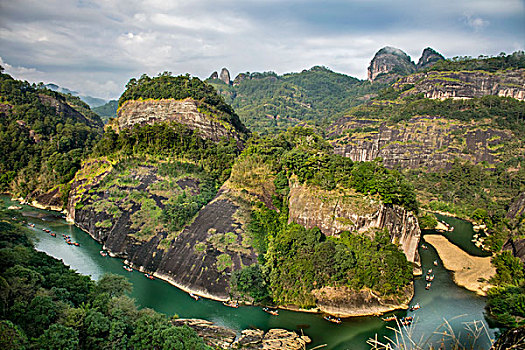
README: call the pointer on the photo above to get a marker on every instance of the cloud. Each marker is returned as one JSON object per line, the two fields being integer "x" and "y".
{"x": 96, "y": 46}
{"x": 476, "y": 23}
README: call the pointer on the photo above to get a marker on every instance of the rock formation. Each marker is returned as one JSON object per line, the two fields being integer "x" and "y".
{"x": 186, "y": 112}
{"x": 428, "y": 58}
{"x": 214, "y": 75}
{"x": 466, "y": 84}
{"x": 333, "y": 212}
{"x": 249, "y": 339}
{"x": 425, "y": 141}
{"x": 390, "y": 60}
{"x": 225, "y": 76}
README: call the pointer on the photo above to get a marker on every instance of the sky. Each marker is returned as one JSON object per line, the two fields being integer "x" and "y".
{"x": 95, "y": 46}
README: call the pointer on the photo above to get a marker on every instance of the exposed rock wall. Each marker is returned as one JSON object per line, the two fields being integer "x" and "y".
{"x": 466, "y": 84}
{"x": 189, "y": 259}
{"x": 186, "y": 112}
{"x": 334, "y": 212}
{"x": 430, "y": 142}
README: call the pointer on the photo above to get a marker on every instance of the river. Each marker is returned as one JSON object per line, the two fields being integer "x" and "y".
{"x": 444, "y": 300}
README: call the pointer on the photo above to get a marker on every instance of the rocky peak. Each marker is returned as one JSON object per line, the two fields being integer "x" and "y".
{"x": 214, "y": 75}
{"x": 390, "y": 60}
{"x": 428, "y": 58}
{"x": 225, "y": 76}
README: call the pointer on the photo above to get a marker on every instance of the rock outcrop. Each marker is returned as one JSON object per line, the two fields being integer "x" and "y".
{"x": 225, "y": 76}
{"x": 214, "y": 75}
{"x": 429, "y": 142}
{"x": 517, "y": 207}
{"x": 249, "y": 339}
{"x": 428, "y": 58}
{"x": 187, "y": 112}
{"x": 465, "y": 84}
{"x": 335, "y": 211}
{"x": 345, "y": 302}
{"x": 390, "y": 60}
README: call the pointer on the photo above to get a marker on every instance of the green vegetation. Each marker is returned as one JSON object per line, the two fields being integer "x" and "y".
{"x": 170, "y": 141}
{"x": 293, "y": 260}
{"x": 166, "y": 86}
{"x": 502, "y": 112}
{"x": 506, "y": 301}
{"x": 107, "y": 111}
{"x": 474, "y": 192}
{"x": 269, "y": 103}
{"x": 41, "y": 145}
{"x": 489, "y": 64}
{"x": 297, "y": 260}
{"x": 46, "y": 305}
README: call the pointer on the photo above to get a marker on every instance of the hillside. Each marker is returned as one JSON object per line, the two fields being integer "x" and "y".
{"x": 107, "y": 110}
{"x": 43, "y": 137}
{"x": 268, "y": 103}
{"x": 458, "y": 134}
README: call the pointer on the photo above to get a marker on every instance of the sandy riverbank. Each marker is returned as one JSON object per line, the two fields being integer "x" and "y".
{"x": 467, "y": 268}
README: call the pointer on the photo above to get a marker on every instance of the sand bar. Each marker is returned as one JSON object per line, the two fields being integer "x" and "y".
{"x": 467, "y": 268}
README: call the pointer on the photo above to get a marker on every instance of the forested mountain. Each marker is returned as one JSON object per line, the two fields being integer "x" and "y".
{"x": 267, "y": 102}
{"x": 43, "y": 137}
{"x": 107, "y": 111}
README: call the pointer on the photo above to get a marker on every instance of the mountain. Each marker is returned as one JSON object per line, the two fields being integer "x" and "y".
{"x": 107, "y": 111}
{"x": 91, "y": 101}
{"x": 456, "y": 133}
{"x": 43, "y": 136}
{"x": 269, "y": 103}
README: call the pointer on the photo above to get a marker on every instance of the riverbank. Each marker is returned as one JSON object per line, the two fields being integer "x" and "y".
{"x": 468, "y": 270}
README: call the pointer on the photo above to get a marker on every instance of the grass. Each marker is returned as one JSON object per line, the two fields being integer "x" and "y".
{"x": 404, "y": 337}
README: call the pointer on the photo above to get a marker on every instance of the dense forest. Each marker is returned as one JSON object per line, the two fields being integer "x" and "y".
{"x": 43, "y": 136}
{"x": 268, "y": 103}
{"x": 46, "y": 305}
{"x": 107, "y": 111}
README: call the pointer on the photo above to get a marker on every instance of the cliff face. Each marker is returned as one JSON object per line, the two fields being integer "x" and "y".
{"x": 515, "y": 243}
{"x": 335, "y": 211}
{"x": 169, "y": 110}
{"x": 225, "y": 76}
{"x": 430, "y": 142}
{"x": 466, "y": 84}
{"x": 122, "y": 210}
{"x": 390, "y": 60}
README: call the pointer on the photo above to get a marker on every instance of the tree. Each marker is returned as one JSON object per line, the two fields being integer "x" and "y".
{"x": 58, "y": 337}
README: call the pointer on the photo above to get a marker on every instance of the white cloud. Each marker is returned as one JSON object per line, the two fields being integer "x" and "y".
{"x": 476, "y": 23}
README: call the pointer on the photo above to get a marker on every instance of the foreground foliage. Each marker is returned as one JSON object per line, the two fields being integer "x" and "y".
{"x": 46, "y": 305}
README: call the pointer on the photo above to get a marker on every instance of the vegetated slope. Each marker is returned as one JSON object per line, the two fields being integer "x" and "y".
{"x": 107, "y": 111}
{"x": 47, "y": 305}
{"x": 145, "y": 194}
{"x": 43, "y": 137}
{"x": 326, "y": 262}
{"x": 465, "y": 154}
{"x": 268, "y": 103}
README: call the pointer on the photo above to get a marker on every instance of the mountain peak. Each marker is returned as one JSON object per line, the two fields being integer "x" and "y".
{"x": 428, "y": 58}
{"x": 390, "y": 60}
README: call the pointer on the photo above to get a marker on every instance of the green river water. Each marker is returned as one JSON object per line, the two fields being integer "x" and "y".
{"x": 444, "y": 300}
